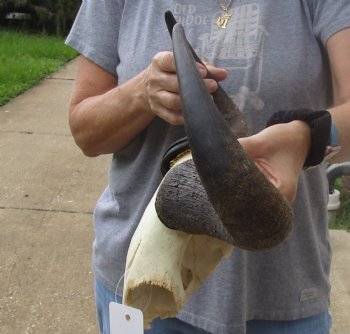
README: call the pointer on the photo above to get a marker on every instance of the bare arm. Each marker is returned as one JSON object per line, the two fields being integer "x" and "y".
{"x": 96, "y": 116}
{"x": 104, "y": 116}
{"x": 338, "y": 47}
{"x": 268, "y": 148}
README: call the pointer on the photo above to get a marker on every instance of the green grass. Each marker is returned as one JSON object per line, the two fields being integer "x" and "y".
{"x": 343, "y": 215}
{"x": 25, "y": 59}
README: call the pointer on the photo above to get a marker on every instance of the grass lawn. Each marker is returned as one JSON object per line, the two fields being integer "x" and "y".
{"x": 343, "y": 215}
{"x": 25, "y": 59}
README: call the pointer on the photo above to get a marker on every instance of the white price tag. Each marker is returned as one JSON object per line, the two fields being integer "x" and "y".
{"x": 124, "y": 319}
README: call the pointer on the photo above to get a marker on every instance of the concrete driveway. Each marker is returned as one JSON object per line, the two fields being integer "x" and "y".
{"x": 48, "y": 190}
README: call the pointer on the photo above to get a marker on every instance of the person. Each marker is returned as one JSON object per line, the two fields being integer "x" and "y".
{"x": 268, "y": 56}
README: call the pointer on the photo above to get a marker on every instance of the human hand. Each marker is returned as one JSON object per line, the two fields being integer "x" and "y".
{"x": 161, "y": 89}
{"x": 279, "y": 151}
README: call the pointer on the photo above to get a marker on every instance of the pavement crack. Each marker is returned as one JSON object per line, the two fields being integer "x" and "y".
{"x": 26, "y": 132}
{"x": 46, "y": 210}
{"x": 63, "y": 79}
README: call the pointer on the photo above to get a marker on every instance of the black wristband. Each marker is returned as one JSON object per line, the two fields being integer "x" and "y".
{"x": 175, "y": 149}
{"x": 320, "y": 122}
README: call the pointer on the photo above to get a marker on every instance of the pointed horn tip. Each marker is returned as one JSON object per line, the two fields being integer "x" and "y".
{"x": 168, "y": 14}
{"x": 170, "y": 21}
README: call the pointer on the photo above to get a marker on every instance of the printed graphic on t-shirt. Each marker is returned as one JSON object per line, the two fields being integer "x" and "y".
{"x": 239, "y": 47}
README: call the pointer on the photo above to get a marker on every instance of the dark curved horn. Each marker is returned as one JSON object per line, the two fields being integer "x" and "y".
{"x": 224, "y": 103}
{"x": 244, "y": 200}
{"x": 210, "y": 138}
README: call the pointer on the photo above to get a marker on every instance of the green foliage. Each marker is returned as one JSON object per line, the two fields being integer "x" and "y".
{"x": 49, "y": 16}
{"x": 343, "y": 215}
{"x": 25, "y": 59}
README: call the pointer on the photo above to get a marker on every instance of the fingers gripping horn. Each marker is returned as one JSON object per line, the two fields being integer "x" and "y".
{"x": 248, "y": 211}
{"x": 224, "y": 103}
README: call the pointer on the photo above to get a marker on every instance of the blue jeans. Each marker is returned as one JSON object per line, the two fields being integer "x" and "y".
{"x": 104, "y": 296}
{"x": 318, "y": 324}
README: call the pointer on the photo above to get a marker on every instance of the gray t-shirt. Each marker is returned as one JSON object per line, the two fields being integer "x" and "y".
{"x": 274, "y": 51}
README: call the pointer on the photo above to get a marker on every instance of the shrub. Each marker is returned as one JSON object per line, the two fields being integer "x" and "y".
{"x": 48, "y": 16}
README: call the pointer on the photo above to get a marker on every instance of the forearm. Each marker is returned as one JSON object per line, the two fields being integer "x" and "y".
{"x": 338, "y": 48}
{"x": 341, "y": 117}
{"x": 105, "y": 117}
{"x": 106, "y": 123}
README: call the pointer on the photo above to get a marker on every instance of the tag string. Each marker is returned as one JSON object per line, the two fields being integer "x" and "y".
{"x": 116, "y": 289}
